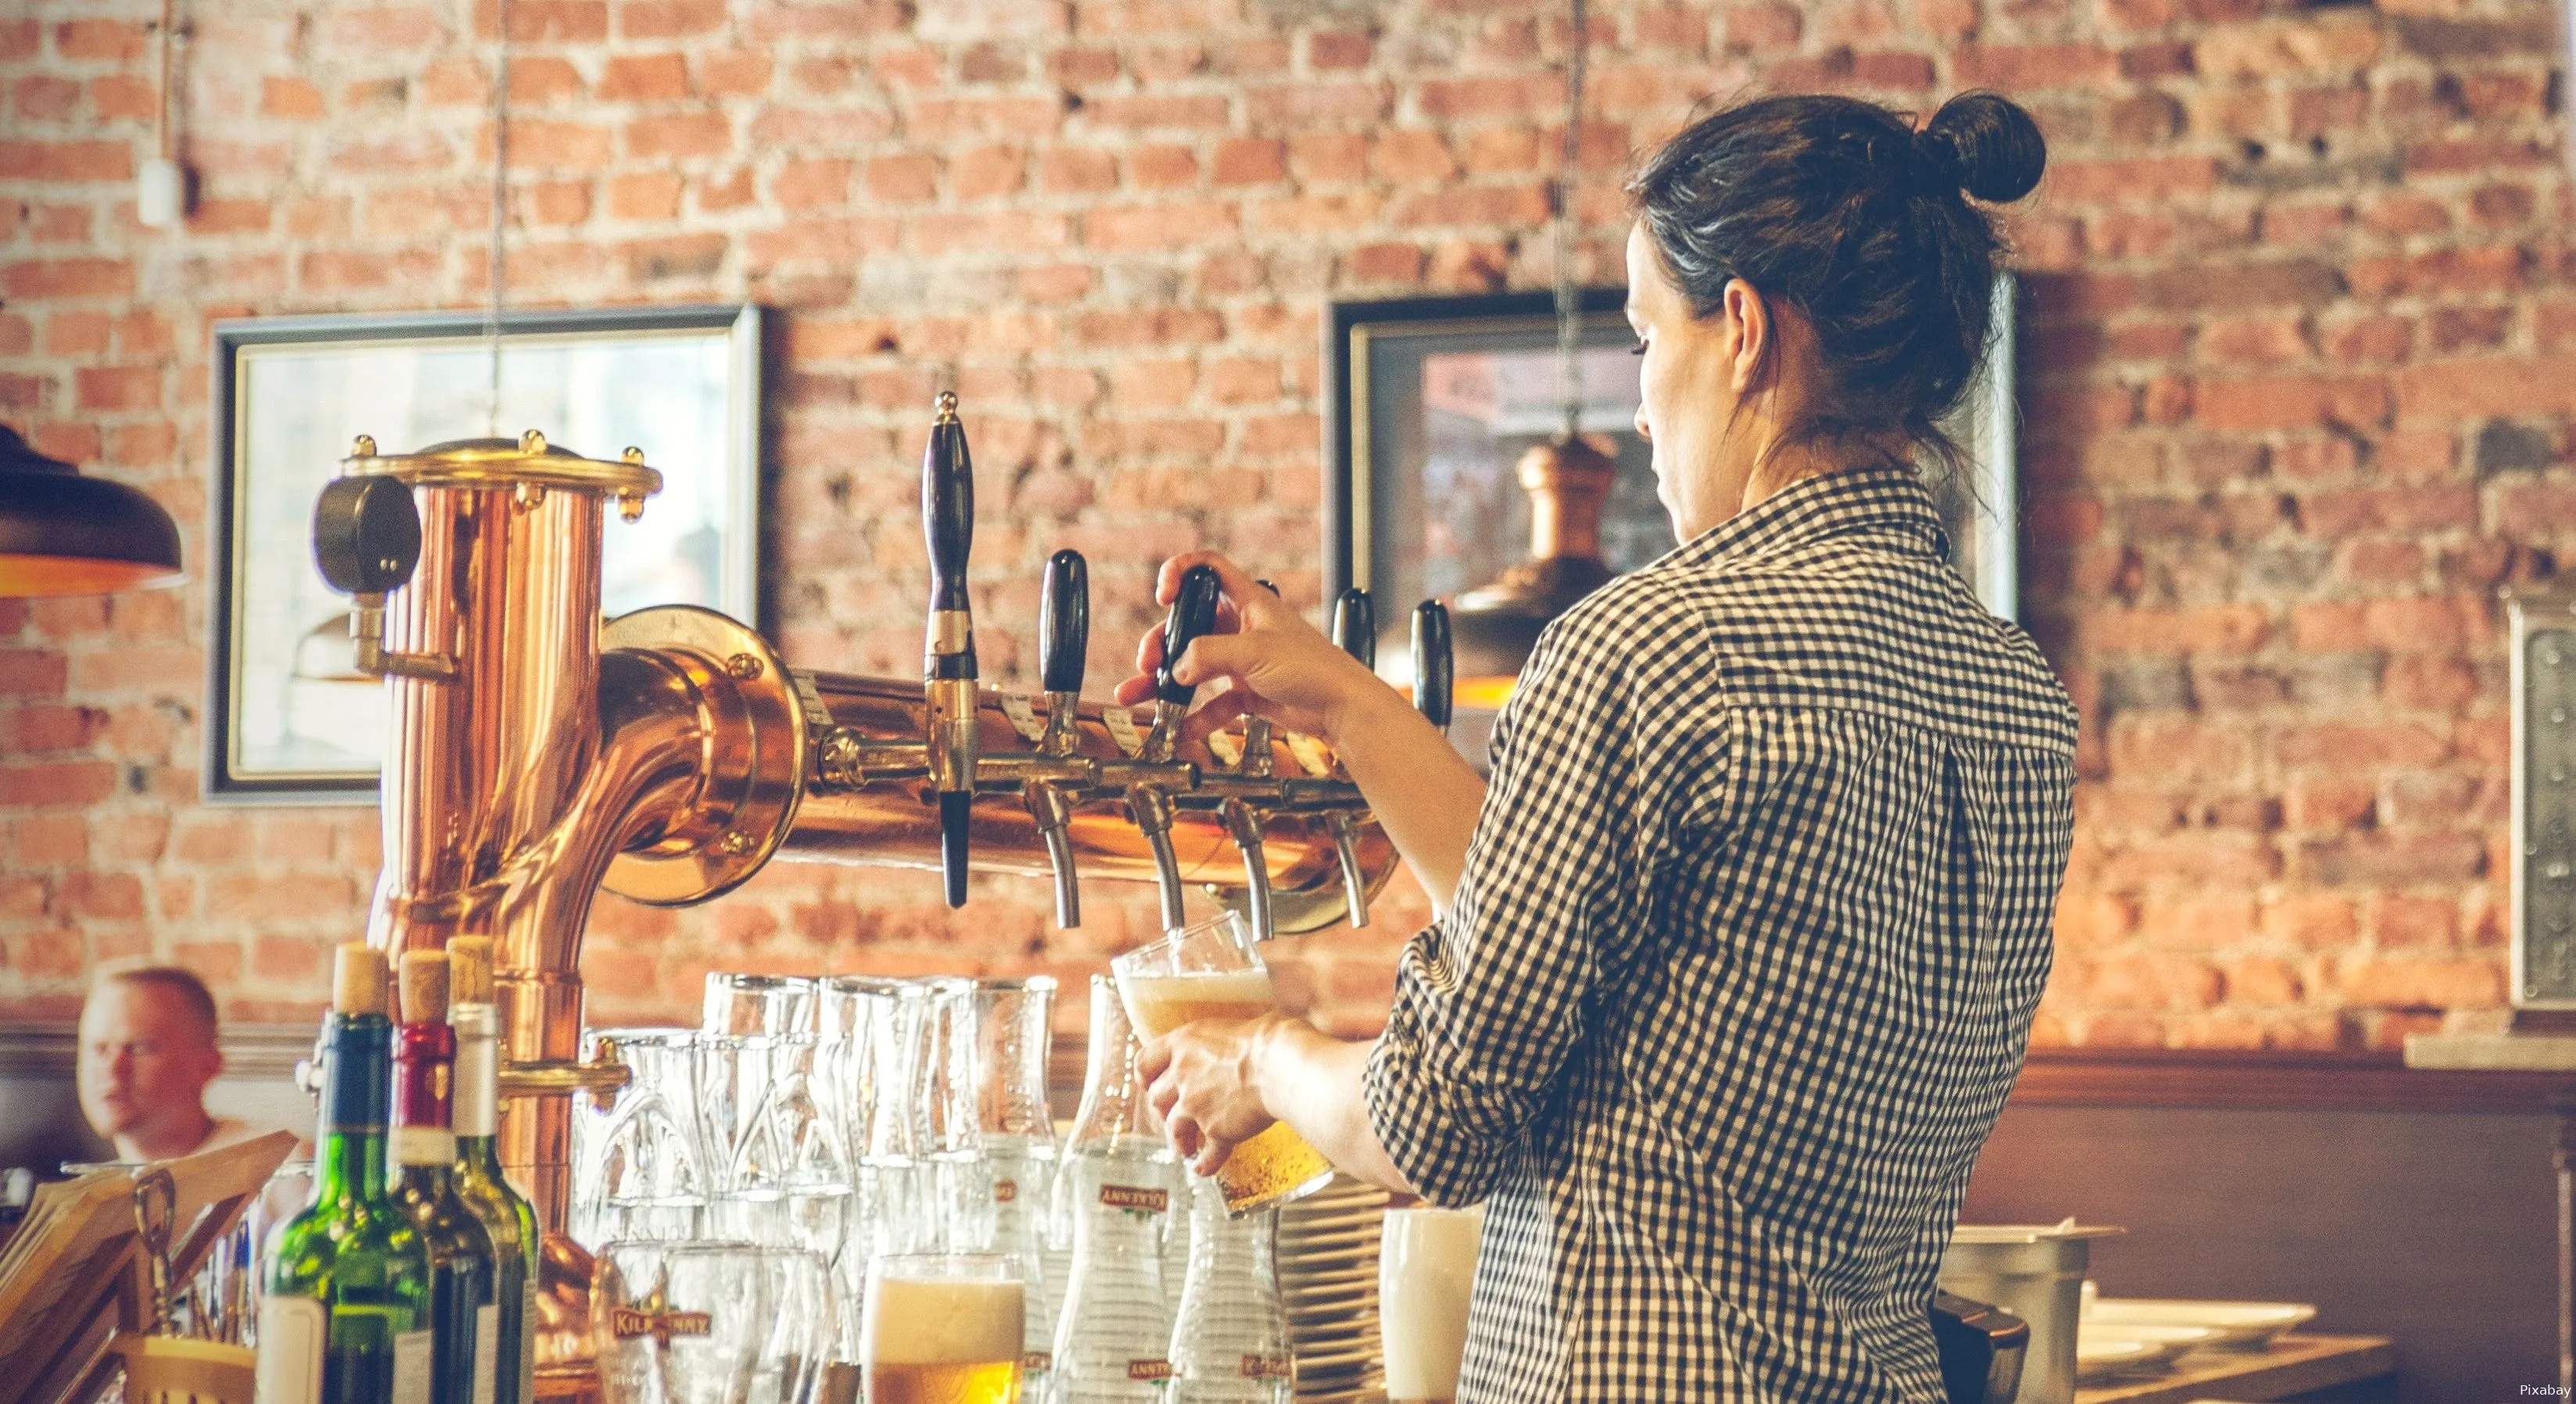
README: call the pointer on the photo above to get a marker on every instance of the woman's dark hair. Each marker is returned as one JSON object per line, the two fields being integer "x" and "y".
{"x": 1845, "y": 211}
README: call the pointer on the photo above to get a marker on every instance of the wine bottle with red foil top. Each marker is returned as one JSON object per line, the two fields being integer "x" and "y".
{"x": 464, "y": 1317}
{"x": 506, "y": 1214}
{"x": 344, "y": 1312}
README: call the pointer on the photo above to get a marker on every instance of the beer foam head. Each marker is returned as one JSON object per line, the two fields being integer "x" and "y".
{"x": 1158, "y": 1004}
{"x": 942, "y": 1320}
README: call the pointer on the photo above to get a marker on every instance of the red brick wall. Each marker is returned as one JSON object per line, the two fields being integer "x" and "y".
{"x": 2299, "y": 397}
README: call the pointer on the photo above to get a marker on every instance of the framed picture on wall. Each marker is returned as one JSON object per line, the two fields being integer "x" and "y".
{"x": 1436, "y": 399}
{"x": 287, "y": 717}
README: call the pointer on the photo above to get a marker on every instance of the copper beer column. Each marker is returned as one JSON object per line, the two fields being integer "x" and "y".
{"x": 535, "y": 758}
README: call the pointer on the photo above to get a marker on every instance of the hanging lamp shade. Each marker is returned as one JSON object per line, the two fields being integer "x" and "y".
{"x": 1496, "y": 625}
{"x": 63, "y": 534}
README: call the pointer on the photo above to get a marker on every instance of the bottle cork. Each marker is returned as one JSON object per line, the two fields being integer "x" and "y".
{"x": 469, "y": 970}
{"x": 358, "y": 979}
{"x": 424, "y": 987}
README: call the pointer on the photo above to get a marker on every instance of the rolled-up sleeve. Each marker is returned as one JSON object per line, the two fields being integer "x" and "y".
{"x": 1491, "y": 1000}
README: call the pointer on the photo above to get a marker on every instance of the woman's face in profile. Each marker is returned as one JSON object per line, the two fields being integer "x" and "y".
{"x": 1685, "y": 393}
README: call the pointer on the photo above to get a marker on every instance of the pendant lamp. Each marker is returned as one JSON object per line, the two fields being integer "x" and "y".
{"x": 1495, "y": 625}
{"x": 1568, "y": 478}
{"x": 63, "y": 534}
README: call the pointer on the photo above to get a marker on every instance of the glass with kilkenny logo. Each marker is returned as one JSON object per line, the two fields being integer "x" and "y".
{"x": 1211, "y": 971}
{"x": 681, "y": 1323}
{"x": 942, "y": 1328}
{"x": 1113, "y": 1189}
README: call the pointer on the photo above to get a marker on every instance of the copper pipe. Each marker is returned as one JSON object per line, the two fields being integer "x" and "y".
{"x": 896, "y": 824}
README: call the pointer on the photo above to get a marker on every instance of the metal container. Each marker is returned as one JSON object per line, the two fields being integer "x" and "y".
{"x": 2036, "y": 1273}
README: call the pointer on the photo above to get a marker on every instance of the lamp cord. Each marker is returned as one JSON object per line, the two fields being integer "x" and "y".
{"x": 1569, "y": 298}
{"x": 500, "y": 214}
{"x": 161, "y": 109}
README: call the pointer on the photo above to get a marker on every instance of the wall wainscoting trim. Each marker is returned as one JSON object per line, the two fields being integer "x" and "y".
{"x": 2276, "y": 1081}
{"x": 251, "y": 1051}
{"x": 2053, "y": 1077}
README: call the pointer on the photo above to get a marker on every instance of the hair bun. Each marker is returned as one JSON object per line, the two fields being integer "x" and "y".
{"x": 1985, "y": 143}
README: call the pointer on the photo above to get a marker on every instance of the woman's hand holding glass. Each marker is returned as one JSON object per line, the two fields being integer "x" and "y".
{"x": 1205, "y": 1084}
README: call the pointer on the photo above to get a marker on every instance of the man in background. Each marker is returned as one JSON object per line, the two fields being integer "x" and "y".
{"x": 147, "y": 1051}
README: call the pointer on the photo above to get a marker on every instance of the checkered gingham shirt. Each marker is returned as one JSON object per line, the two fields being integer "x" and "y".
{"x": 1742, "y": 964}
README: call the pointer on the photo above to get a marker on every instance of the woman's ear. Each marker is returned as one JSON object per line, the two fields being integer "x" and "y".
{"x": 1750, "y": 331}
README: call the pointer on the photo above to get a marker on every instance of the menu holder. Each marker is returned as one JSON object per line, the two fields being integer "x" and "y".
{"x": 78, "y": 1271}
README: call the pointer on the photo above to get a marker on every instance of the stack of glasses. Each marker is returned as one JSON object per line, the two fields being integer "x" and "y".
{"x": 858, "y": 1165}
{"x": 838, "y": 1120}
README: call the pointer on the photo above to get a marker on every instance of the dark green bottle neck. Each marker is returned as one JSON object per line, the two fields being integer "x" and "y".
{"x": 349, "y": 1143}
{"x": 425, "y": 1178}
{"x": 480, "y": 1156}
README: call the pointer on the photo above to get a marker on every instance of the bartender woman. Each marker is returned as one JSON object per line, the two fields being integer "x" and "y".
{"x": 1735, "y": 960}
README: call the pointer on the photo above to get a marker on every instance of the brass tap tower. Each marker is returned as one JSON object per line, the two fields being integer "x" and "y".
{"x": 538, "y": 756}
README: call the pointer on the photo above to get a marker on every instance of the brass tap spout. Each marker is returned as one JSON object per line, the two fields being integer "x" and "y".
{"x": 1244, "y": 822}
{"x": 948, "y": 668}
{"x": 1245, "y": 827}
{"x": 1064, "y": 639}
{"x": 1149, "y": 797}
{"x": 1150, "y": 806}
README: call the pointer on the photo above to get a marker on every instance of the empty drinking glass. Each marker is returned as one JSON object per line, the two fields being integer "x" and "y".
{"x": 758, "y": 1004}
{"x": 893, "y": 1165}
{"x": 642, "y": 1165}
{"x": 1012, "y": 1034}
{"x": 947, "y": 1133}
{"x": 1113, "y": 1332}
{"x": 786, "y": 1179}
{"x": 804, "y": 1328}
{"x": 1230, "y": 1332}
{"x": 681, "y": 1323}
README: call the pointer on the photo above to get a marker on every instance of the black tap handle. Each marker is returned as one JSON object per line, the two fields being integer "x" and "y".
{"x": 1432, "y": 675}
{"x": 366, "y": 534}
{"x": 1193, "y": 613}
{"x": 948, "y": 506}
{"x": 1355, "y": 626}
{"x": 1064, "y": 621}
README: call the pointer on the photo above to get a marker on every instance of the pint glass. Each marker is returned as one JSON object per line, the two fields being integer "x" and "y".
{"x": 1210, "y": 971}
{"x": 1426, "y": 1267}
{"x": 942, "y": 1328}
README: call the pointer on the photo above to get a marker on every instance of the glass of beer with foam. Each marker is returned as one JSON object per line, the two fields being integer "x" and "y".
{"x": 942, "y": 1328}
{"x": 1210, "y": 971}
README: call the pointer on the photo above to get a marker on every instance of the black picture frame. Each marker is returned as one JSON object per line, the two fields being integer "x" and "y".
{"x": 1366, "y": 342}
{"x": 722, "y": 341}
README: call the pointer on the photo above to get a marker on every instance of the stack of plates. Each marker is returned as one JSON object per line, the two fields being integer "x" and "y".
{"x": 2233, "y": 1325}
{"x": 1328, "y": 1273}
{"x": 2129, "y": 1339}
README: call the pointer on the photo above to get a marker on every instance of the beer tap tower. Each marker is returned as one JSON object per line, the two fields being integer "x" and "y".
{"x": 537, "y": 756}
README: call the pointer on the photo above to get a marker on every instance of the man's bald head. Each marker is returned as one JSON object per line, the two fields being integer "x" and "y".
{"x": 147, "y": 1051}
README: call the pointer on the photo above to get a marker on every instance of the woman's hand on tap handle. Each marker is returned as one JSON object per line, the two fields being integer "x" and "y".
{"x": 1270, "y": 661}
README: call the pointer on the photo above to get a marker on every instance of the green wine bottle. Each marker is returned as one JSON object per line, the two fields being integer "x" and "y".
{"x": 463, "y": 1313}
{"x": 344, "y": 1302}
{"x": 506, "y": 1214}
